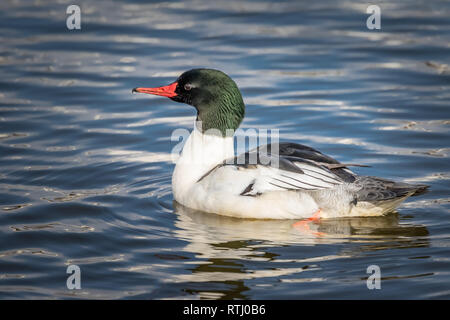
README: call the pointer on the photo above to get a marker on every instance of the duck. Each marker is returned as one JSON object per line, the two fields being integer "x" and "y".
{"x": 284, "y": 180}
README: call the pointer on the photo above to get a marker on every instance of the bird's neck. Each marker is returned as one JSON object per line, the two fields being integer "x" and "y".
{"x": 201, "y": 153}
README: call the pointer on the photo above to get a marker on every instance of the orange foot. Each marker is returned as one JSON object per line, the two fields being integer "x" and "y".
{"x": 303, "y": 225}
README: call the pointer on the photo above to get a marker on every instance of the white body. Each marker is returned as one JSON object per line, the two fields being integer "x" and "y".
{"x": 220, "y": 191}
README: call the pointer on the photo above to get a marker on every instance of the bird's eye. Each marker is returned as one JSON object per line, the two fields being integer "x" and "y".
{"x": 187, "y": 87}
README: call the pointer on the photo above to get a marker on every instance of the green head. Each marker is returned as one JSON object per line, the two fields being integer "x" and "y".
{"x": 215, "y": 95}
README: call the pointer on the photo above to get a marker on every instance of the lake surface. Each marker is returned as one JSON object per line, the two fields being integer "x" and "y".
{"x": 85, "y": 166}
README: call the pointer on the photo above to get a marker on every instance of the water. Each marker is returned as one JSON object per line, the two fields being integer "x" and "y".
{"x": 85, "y": 166}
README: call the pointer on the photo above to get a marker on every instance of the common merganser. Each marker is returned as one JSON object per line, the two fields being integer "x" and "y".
{"x": 305, "y": 184}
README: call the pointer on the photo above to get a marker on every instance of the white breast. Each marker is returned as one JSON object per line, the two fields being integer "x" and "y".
{"x": 201, "y": 153}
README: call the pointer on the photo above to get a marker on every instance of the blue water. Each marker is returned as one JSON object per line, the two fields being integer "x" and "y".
{"x": 85, "y": 166}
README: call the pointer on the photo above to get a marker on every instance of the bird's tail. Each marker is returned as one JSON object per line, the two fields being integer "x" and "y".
{"x": 383, "y": 196}
{"x": 419, "y": 189}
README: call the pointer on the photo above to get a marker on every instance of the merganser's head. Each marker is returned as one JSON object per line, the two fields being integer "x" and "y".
{"x": 215, "y": 95}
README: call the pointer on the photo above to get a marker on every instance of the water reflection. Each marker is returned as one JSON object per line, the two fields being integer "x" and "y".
{"x": 233, "y": 250}
{"x": 212, "y": 229}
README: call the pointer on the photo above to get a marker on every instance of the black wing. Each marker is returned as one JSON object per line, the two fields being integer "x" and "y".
{"x": 288, "y": 166}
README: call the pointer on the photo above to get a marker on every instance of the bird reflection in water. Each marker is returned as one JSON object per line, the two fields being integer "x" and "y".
{"x": 216, "y": 228}
{"x": 230, "y": 247}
